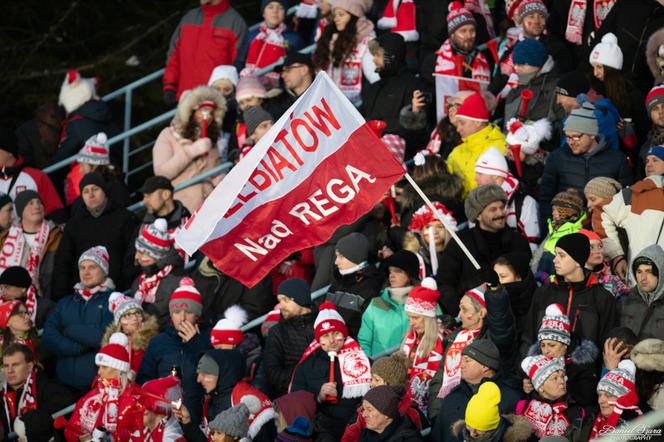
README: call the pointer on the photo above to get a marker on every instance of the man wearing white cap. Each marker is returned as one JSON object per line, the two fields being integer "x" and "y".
{"x": 491, "y": 168}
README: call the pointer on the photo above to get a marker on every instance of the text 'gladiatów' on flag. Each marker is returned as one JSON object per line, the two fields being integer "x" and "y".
{"x": 319, "y": 167}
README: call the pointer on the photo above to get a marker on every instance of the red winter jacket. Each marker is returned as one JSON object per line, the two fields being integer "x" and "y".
{"x": 205, "y": 38}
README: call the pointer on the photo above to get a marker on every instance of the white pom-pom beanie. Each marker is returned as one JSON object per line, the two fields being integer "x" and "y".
{"x": 607, "y": 52}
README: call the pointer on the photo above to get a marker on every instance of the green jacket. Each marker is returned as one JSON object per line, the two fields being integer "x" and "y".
{"x": 384, "y": 323}
{"x": 566, "y": 229}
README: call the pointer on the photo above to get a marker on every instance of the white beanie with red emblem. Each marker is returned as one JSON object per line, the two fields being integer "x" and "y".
{"x": 329, "y": 320}
{"x": 229, "y": 330}
{"x": 399, "y": 17}
{"x": 492, "y": 162}
{"x": 423, "y": 299}
{"x": 115, "y": 354}
{"x": 95, "y": 151}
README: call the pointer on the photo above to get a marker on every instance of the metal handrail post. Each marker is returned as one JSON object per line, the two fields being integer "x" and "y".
{"x": 125, "y": 143}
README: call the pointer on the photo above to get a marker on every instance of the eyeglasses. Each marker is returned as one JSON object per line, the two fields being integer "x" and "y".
{"x": 292, "y": 66}
{"x": 575, "y": 137}
{"x": 132, "y": 314}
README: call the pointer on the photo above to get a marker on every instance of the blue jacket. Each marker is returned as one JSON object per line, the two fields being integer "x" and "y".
{"x": 73, "y": 333}
{"x": 165, "y": 351}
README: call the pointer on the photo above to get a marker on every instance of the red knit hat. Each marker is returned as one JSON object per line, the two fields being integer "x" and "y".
{"x": 329, "y": 320}
{"x": 478, "y": 294}
{"x": 6, "y": 310}
{"x": 655, "y": 96}
{"x": 458, "y": 16}
{"x": 186, "y": 297}
{"x": 156, "y": 395}
{"x": 228, "y": 330}
{"x": 115, "y": 354}
{"x": 423, "y": 299}
{"x": 271, "y": 320}
{"x": 473, "y": 108}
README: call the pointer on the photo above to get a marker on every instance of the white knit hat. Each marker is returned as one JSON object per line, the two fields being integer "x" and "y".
{"x": 607, "y": 52}
{"x": 492, "y": 162}
{"x": 228, "y": 330}
{"x": 95, "y": 151}
{"x": 224, "y": 72}
{"x": 98, "y": 255}
{"x": 115, "y": 354}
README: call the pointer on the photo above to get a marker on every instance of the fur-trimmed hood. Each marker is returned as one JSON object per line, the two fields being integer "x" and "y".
{"x": 444, "y": 186}
{"x": 649, "y": 355}
{"x": 655, "y": 61}
{"x": 518, "y": 429}
{"x": 191, "y": 99}
{"x": 140, "y": 339}
{"x": 584, "y": 352}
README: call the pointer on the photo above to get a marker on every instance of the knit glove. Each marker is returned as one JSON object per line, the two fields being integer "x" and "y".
{"x": 170, "y": 97}
{"x": 199, "y": 147}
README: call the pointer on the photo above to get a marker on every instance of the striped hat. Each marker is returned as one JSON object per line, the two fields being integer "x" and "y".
{"x": 229, "y": 330}
{"x": 478, "y": 294}
{"x": 115, "y": 354}
{"x": 583, "y": 120}
{"x": 98, "y": 255}
{"x": 119, "y": 304}
{"x": 329, "y": 320}
{"x": 555, "y": 325}
{"x": 539, "y": 368}
{"x": 186, "y": 298}
{"x": 95, "y": 151}
{"x": 619, "y": 381}
{"x": 154, "y": 240}
{"x": 458, "y": 16}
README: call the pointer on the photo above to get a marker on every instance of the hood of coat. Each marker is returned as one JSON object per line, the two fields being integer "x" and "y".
{"x": 444, "y": 186}
{"x": 140, "y": 339}
{"x": 191, "y": 99}
{"x": 655, "y": 61}
{"x": 656, "y": 255}
{"x": 580, "y": 353}
{"x": 297, "y": 403}
{"x": 649, "y": 355}
{"x": 512, "y": 428}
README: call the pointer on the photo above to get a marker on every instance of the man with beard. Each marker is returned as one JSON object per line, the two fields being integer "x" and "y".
{"x": 486, "y": 241}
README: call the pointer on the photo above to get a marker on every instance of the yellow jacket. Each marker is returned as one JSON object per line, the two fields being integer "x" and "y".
{"x": 463, "y": 157}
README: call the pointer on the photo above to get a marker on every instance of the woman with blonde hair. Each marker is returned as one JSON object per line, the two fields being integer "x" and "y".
{"x": 423, "y": 341}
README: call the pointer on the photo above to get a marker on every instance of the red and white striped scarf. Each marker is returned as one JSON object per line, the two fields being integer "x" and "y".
{"x": 27, "y": 401}
{"x": 16, "y": 253}
{"x": 267, "y": 47}
{"x": 577, "y": 17}
{"x": 423, "y": 369}
{"x": 148, "y": 285}
{"x": 88, "y": 293}
{"x": 354, "y": 365}
{"x": 452, "y": 364}
{"x": 445, "y": 63}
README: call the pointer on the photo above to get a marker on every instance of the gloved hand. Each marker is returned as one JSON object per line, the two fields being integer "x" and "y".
{"x": 489, "y": 276}
{"x": 170, "y": 97}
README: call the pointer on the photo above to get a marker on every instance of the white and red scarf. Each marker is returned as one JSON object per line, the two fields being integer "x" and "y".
{"x": 577, "y": 16}
{"x": 148, "y": 285}
{"x": 423, "y": 369}
{"x": 16, "y": 251}
{"x": 88, "y": 293}
{"x": 452, "y": 364}
{"x": 604, "y": 425}
{"x": 445, "y": 63}
{"x": 267, "y": 47}
{"x": 101, "y": 408}
{"x": 27, "y": 401}
{"x": 354, "y": 365}
{"x": 348, "y": 76}
{"x": 547, "y": 419}
{"x": 480, "y": 7}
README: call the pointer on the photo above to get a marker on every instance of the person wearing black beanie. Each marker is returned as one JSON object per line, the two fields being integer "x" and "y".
{"x": 517, "y": 279}
{"x": 592, "y": 310}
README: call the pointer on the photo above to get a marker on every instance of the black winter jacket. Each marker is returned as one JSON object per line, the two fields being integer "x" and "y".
{"x": 399, "y": 430}
{"x": 521, "y": 295}
{"x": 331, "y": 419}
{"x": 456, "y": 274}
{"x": 563, "y": 170}
{"x": 592, "y": 311}
{"x": 112, "y": 229}
{"x": 285, "y": 345}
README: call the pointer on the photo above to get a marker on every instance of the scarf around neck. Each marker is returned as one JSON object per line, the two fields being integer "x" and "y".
{"x": 86, "y": 294}
{"x": 26, "y": 402}
{"x": 17, "y": 252}
{"x": 445, "y": 64}
{"x": 546, "y": 419}
{"x": 452, "y": 364}
{"x": 423, "y": 369}
{"x": 267, "y": 47}
{"x": 148, "y": 285}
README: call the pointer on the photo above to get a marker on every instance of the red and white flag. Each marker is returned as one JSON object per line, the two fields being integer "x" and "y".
{"x": 448, "y": 85}
{"x": 319, "y": 167}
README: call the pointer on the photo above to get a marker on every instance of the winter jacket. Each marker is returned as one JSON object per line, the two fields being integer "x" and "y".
{"x": 112, "y": 229}
{"x": 73, "y": 335}
{"x": 446, "y": 189}
{"x": 205, "y": 38}
{"x": 165, "y": 351}
{"x": 643, "y": 313}
{"x": 330, "y": 419}
{"x": 454, "y": 405}
{"x": 51, "y": 397}
{"x": 220, "y": 291}
{"x": 292, "y": 43}
{"x": 543, "y": 87}
{"x": 563, "y": 170}
{"x": 591, "y": 309}
{"x": 352, "y": 293}
{"x": 166, "y": 287}
{"x": 512, "y": 428}
{"x": 521, "y": 295}
{"x": 456, "y": 274}
{"x": 463, "y": 158}
{"x": 581, "y": 362}
{"x": 285, "y": 345}
{"x": 384, "y": 324}
{"x": 89, "y": 119}
{"x": 399, "y": 430}
{"x": 640, "y": 211}
{"x": 47, "y": 258}
{"x": 18, "y": 178}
